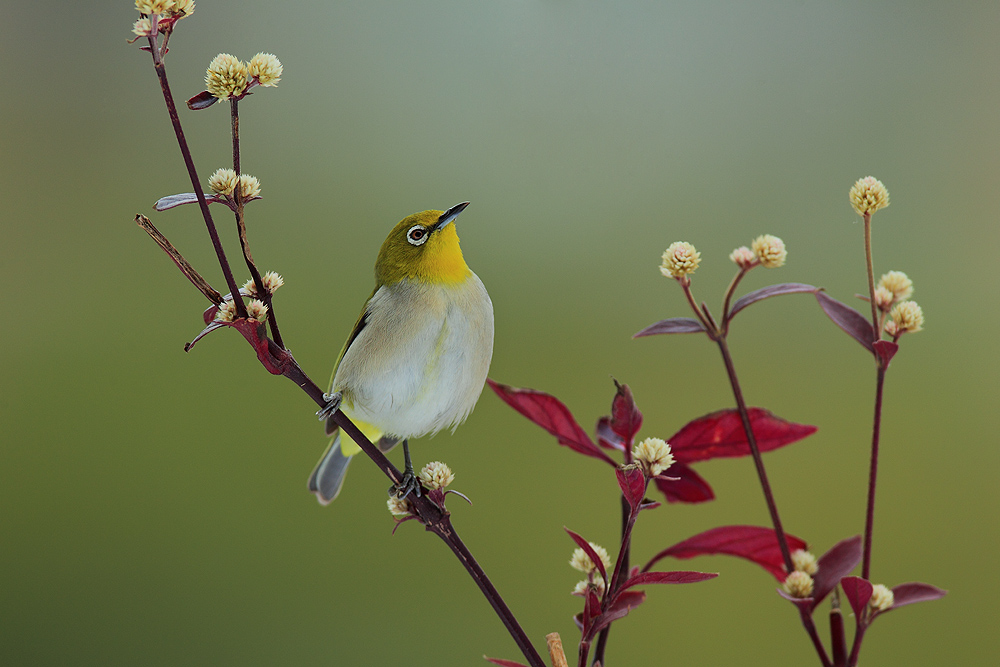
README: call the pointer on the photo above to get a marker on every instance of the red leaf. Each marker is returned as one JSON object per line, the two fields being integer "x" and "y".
{"x": 886, "y": 350}
{"x": 804, "y": 604}
{"x": 549, "y": 413}
{"x": 834, "y": 565}
{"x": 674, "y": 325}
{"x": 644, "y": 578}
{"x": 606, "y": 437}
{"x": 911, "y": 593}
{"x": 848, "y": 319}
{"x": 720, "y": 434}
{"x": 767, "y": 292}
{"x": 633, "y": 485}
{"x": 858, "y": 592}
{"x": 690, "y": 488}
{"x": 591, "y": 610}
{"x": 589, "y": 550}
{"x": 623, "y": 604}
{"x": 202, "y": 100}
{"x": 504, "y": 663}
{"x": 754, "y": 543}
{"x": 626, "y": 420}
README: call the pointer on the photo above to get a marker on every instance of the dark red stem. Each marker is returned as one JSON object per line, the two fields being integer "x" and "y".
{"x": 838, "y": 639}
{"x": 602, "y": 637}
{"x": 872, "y": 475}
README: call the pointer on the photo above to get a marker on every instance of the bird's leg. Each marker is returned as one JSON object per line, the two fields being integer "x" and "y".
{"x": 332, "y": 405}
{"x": 410, "y": 482}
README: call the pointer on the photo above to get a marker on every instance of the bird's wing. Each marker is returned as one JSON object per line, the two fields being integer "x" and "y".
{"x": 331, "y": 427}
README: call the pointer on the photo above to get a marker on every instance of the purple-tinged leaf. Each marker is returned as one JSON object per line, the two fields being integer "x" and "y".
{"x": 606, "y": 437}
{"x": 767, "y": 292}
{"x": 633, "y": 485}
{"x": 754, "y": 543}
{"x": 589, "y": 550}
{"x": 886, "y": 350}
{"x": 173, "y": 201}
{"x": 623, "y": 604}
{"x": 213, "y": 326}
{"x": 504, "y": 663}
{"x": 858, "y": 592}
{"x": 549, "y": 413}
{"x": 913, "y": 592}
{"x": 626, "y": 420}
{"x": 591, "y": 610}
{"x": 721, "y": 435}
{"x": 202, "y": 100}
{"x": 848, "y": 319}
{"x": 688, "y": 488}
{"x": 804, "y": 604}
{"x": 674, "y": 325}
{"x": 682, "y": 577}
{"x": 834, "y": 565}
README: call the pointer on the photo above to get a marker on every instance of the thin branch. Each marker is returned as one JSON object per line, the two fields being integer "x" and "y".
{"x": 196, "y": 279}
{"x": 873, "y": 474}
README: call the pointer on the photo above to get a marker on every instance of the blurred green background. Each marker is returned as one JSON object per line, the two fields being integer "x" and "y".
{"x": 153, "y": 508}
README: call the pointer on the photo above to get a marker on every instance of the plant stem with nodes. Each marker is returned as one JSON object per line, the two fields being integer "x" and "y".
{"x": 161, "y": 74}
{"x": 241, "y": 227}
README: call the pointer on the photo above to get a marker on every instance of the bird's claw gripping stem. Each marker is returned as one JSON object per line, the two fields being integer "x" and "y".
{"x": 332, "y": 405}
{"x": 410, "y": 482}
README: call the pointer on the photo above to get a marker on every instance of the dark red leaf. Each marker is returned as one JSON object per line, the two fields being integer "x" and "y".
{"x": 834, "y": 565}
{"x": 848, "y": 319}
{"x": 626, "y": 420}
{"x": 606, "y": 437}
{"x": 644, "y": 578}
{"x": 674, "y": 325}
{"x": 767, "y": 292}
{"x": 805, "y": 604}
{"x": 549, "y": 413}
{"x": 589, "y": 550}
{"x": 905, "y": 594}
{"x": 648, "y": 504}
{"x": 754, "y": 543}
{"x": 886, "y": 350}
{"x": 633, "y": 485}
{"x": 623, "y": 604}
{"x": 720, "y": 434}
{"x": 202, "y": 100}
{"x": 591, "y": 610}
{"x": 689, "y": 488}
{"x": 858, "y": 592}
{"x": 504, "y": 663}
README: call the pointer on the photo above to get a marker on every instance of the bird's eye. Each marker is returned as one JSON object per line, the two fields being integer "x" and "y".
{"x": 417, "y": 235}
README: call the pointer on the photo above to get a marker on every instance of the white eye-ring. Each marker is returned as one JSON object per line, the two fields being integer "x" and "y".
{"x": 417, "y": 235}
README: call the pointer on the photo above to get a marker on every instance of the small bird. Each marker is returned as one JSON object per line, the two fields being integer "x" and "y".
{"x": 418, "y": 356}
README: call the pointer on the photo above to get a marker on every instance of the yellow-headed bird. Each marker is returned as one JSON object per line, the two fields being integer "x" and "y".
{"x": 417, "y": 359}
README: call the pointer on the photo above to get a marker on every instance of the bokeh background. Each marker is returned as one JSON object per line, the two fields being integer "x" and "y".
{"x": 153, "y": 508}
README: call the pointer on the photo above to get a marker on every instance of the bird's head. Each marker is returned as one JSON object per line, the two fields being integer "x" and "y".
{"x": 423, "y": 246}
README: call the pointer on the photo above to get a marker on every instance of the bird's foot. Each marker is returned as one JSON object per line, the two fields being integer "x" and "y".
{"x": 410, "y": 482}
{"x": 332, "y": 405}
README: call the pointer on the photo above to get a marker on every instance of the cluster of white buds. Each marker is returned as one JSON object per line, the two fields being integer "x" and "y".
{"x": 256, "y": 310}
{"x": 582, "y": 562}
{"x": 653, "y": 454}
{"x": 679, "y": 259}
{"x": 399, "y": 506}
{"x": 882, "y": 598}
{"x": 868, "y": 195}
{"x": 224, "y": 181}
{"x": 798, "y": 584}
{"x": 228, "y": 76}
{"x": 766, "y": 250}
{"x": 271, "y": 280}
{"x": 805, "y": 561}
{"x": 168, "y": 8}
{"x": 436, "y": 475}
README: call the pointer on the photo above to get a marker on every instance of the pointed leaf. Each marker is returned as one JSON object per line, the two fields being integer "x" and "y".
{"x": 858, "y": 592}
{"x": 681, "y": 577}
{"x": 633, "y": 484}
{"x": 623, "y": 604}
{"x": 549, "y": 413}
{"x": 720, "y": 435}
{"x": 674, "y": 325}
{"x": 886, "y": 350}
{"x": 910, "y": 593}
{"x": 591, "y": 610}
{"x": 202, "y": 100}
{"x": 834, "y": 565}
{"x": 606, "y": 437}
{"x": 503, "y": 663}
{"x": 626, "y": 420}
{"x": 754, "y": 543}
{"x": 688, "y": 488}
{"x": 805, "y": 604}
{"x": 767, "y": 292}
{"x": 848, "y": 319}
{"x": 589, "y": 550}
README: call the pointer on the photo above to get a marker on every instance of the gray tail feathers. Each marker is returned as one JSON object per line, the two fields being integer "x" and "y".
{"x": 328, "y": 476}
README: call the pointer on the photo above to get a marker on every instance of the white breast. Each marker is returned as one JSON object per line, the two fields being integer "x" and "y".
{"x": 421, "y": 360}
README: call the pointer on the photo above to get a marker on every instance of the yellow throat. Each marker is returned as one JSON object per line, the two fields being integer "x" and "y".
{"x": 423, "y": 246}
